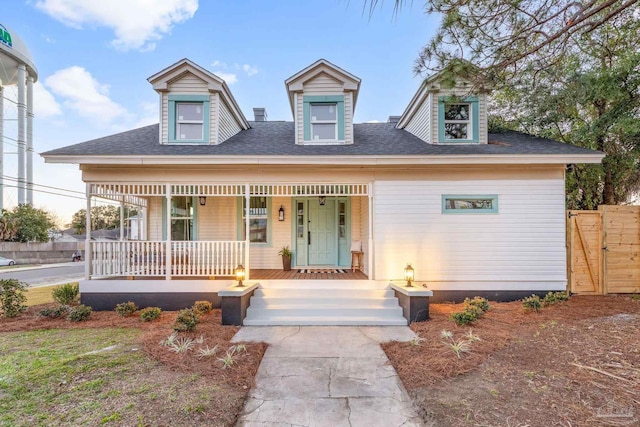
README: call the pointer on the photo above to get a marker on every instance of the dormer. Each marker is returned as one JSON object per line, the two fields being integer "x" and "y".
{"x": 446, "y": 111}
{"x": 323, "y": 98}
{"x": 196, "y": 106}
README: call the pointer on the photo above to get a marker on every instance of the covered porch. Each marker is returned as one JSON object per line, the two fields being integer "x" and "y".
{"x": 187, "y": 231}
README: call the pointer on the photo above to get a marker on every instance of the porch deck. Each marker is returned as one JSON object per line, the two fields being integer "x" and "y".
{"x": 309, "y": 274}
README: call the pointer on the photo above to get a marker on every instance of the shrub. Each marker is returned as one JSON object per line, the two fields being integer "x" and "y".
{"x": 479, "y": 302}
{"x": 186, "y": 320}
{"x": 202, "y": 307}
{"x": 150, "y": 313}
{"x": 80, "y": 313}
{"x": 466, "y": 316}
{"x": 54, "y": 313}
{"x": 532, "y": 303}
{"x": 126, "y": 309}
{"x": 12, "y": 297}
{"x": 555, "y": 297}
{"x": 66, "y": 294}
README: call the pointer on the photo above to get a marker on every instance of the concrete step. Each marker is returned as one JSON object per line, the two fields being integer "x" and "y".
{"x": 328, "y": 311}
{"x": 326, "y": 321}
{"x": 323, "y": 302}
{"x": 322, "y": 293}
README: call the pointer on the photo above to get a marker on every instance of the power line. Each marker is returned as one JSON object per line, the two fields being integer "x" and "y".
{"x": 49, "y": 192}
{"x": 13, "y": 178}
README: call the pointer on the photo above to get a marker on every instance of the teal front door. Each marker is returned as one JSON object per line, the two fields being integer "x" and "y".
{"x": 322, "y": 236}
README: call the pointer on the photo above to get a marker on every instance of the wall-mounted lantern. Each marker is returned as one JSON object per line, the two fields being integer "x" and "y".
{"x": 202, "y": 200}
{"x": 240, "y": 274}
{"x": 408, "y": 275}
{"x": 322, "y": 200}
{"x": 281, "y": 213}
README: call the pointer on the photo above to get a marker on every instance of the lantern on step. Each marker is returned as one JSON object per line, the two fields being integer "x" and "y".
{"x": 408, "y": 275}
{"x": 240, "y": 274}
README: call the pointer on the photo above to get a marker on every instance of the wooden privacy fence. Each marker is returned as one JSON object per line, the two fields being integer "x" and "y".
{"x": 604, "y": 250}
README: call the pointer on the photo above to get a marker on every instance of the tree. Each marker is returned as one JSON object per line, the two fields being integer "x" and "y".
{"x": 24, "y": 223}
{"x": 504, "y": 37}
{"x": 590, "y": 98}
{"x": 105, "y": 217}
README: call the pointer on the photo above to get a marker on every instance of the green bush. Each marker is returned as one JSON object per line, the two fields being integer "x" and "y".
{"x": 470, "y": 314}
{"x": 150, "y": 313}
{"x": 66, "y": 294}
{"x": 202, "y": 307}
{"x": 54, "y": 313}
{"x": 479, "y": 302}
{"x": 532, "y": 303}
{"x": 12, "y": 299}
{"x": 186, "y": 320}
{"x": 80, "y": 313}
{"x": 126, "y": 309}
{"x": 555, "y": 297}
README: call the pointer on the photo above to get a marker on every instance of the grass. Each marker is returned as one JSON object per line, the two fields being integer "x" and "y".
{"x": 39, "y": 295}
{"x": 60, "y": 377}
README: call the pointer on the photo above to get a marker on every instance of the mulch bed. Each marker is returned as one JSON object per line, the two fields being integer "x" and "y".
{"x": 527, "y": 361}
{"x": 210, "y": 329}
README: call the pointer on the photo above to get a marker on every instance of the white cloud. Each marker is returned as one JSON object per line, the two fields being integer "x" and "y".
{"x": 250, "y": 70}
{"x": 84, "y": 94}
{"x": 373, "y": 121}
{"x": 150, "y": 114}
{"x": 230, "y": 78}
{"x": 136, "y": 23}
{"x": 44, "y": 104}
{"x": 219, "y": 64}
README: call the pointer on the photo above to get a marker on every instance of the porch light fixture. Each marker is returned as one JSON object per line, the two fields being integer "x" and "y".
{"x": 408, "y": 275}
{"x": 240, "y": 274}
{"x": 322, "y": 200}
{"x": 202, "y": 200}
{"x": 281, "y": 213}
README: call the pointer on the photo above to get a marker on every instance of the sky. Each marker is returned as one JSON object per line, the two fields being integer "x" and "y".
{"x": 94, "y": 58}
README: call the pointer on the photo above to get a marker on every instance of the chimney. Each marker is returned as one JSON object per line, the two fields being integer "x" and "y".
{"x": 260, "y": 114}
{"x": 393, "y": 119}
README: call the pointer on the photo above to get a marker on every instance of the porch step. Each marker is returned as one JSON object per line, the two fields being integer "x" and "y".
{"x": 320, "y": 302}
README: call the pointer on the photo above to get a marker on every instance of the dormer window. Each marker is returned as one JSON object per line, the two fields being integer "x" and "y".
{"x": 458, "y": 119}
{"x": 323, "y": 119}
{"x": 189, "y": 121}
{"x": 188, "y": 118}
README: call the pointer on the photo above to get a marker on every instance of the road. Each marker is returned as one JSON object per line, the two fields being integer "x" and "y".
{"x": 44, "y": 275}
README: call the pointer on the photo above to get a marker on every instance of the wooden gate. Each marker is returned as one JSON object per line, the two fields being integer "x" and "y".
{"x": 604, "y": 250}
{"x": 584, "y": 237}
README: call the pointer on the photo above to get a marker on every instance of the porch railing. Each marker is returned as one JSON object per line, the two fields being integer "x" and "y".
{"x": 149, "y": 258}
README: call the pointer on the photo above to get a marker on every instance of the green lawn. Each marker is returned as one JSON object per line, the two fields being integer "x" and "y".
{"x": 98, "y": 376}
{"x": 40, "y": 295}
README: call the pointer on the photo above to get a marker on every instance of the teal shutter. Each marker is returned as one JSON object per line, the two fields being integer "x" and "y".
{"x": 164, "y": 218}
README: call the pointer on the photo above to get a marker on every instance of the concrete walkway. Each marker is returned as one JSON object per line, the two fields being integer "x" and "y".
{"x": 327, "y": 376}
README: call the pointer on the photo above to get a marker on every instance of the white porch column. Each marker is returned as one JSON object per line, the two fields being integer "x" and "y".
{"x": 371, "y": 248}
{"x": 87, "y": 242}
{"x": 167, "y": 261}
{"x": 121, "y": 220}
{"x": 247, "y": 238}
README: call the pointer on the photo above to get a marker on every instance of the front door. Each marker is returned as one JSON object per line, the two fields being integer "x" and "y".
{"x": 322, "y": 236}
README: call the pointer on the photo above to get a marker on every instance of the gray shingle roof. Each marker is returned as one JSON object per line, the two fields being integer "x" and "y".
{"x": 277, "y": 138}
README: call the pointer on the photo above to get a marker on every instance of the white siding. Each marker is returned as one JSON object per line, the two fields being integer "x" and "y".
{"x": 299, "y": 119}
{"x": 420, "y": 124}
{"x": 523, "y": 244}
{"x": 154, "y": 213}
{"x": 348, "y": 118}
{"x": 164, "y": 117}
{"x": 482, "y": 113}
{"x": 323, "y": 84}
{"x": 188, "y": 84}
{"x": 228, "y": 125}
{"x": 364, "y": 231}
{"x": 217, "y": 220}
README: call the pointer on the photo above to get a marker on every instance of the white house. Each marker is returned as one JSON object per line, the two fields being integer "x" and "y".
{"x": 474, "y": 213}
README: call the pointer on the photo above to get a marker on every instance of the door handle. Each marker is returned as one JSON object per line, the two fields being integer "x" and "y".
{"x": 308, "y": 237}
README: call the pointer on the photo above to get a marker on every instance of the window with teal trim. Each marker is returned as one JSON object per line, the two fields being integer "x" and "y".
{"x": 184, "y": 215}
{"x": 258, "y": 219}
{"x": 323, "y": 118}
{"x": 465, "y": 204}
{"x": 458, "y": 119}
{"x": 189, "y": 118}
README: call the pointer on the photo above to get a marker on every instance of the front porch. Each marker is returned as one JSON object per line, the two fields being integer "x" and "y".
{"x": 205, "y": 231}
